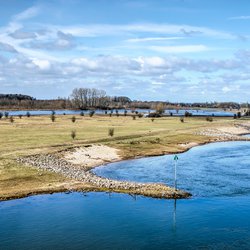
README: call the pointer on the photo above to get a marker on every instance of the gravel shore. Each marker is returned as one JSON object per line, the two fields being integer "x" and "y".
{"x": 61, "y": 166}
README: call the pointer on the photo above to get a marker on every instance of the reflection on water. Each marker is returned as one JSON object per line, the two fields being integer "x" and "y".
{"x": 116, "y": 221}
{"x": 218, "y": 169}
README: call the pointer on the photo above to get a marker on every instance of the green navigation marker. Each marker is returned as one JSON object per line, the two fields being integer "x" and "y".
{"x": 175, "y": 169}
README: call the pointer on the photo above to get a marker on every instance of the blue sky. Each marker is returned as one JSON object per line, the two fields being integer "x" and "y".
{"x": 175, "y": 50}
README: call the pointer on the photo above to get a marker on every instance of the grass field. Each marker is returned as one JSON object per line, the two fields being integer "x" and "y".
{"x": 38, "y": 134}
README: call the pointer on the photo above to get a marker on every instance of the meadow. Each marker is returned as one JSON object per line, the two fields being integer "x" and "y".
{"x": 133, "y": 137}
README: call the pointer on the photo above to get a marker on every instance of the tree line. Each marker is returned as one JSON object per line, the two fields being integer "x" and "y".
{"x": 92, "y": 98}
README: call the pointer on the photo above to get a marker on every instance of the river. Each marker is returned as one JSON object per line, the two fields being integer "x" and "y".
{"x": 216, "y": 217}
{"x": 174, "y": 112}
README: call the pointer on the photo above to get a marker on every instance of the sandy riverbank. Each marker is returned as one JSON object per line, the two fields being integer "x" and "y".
{"x": 92, "y": 155}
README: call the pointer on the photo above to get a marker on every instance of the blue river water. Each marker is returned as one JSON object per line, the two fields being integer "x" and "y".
{"x": 217, "y": 217}
{"x": 216, "y": 169}
{"x": 120, "y": 111}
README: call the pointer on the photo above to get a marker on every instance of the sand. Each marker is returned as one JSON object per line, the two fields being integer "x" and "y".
{"x": 235, "y": 130}
{"x": 92, "y": 155}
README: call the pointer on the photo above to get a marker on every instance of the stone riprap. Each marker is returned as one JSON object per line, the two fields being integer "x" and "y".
{"x": 58, "y": 165}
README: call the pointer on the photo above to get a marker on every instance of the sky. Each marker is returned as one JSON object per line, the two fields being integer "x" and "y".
{"x": 167, "y": 50}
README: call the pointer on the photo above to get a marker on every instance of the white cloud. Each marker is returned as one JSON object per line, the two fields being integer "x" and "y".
{"x": 152, "y": 39}
{"x": 42, "y": 64}
{"x": 226, "y": 89}
{"x": 7, "y": 48}
{"x": 180, "y": 48}
{"x": 240, "y": 18}
{"x": 95, "y": 30}
{"x": 27, "y": 14}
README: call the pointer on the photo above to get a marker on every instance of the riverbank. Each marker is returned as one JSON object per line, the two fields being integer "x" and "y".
{"x": 133, "y": 139}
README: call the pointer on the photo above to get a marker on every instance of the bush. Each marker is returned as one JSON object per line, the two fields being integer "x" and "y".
{"x": 209, "y": 119}
{"x": 28, "y": 114}
{"x": 187, "y": 114}
{"x": 111, "y": 132}
{"x": 20, "y": 116}
{"x": 154, "y": 114}
{"x": 73, "y": 119}
{"x": 53, "y": 117}
{"x": 91, "y": 113}
{"x": 1, "y": 115}
{"x": 182, "y": 119}
{"x": 73, "y": 134}
{"x": 82, "y": 113}
{"x": 6, "y": 114}
{"x": 11, "y": 119}
{"x": 152, "y": 119}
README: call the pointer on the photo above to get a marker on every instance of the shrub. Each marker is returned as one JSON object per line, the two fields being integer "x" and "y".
{"x": 52, "y": 117}
{"x": 154, "y": 114}
{"x": 209, "y": 119}
{"x": 73, "y": 134}
{"x": 111, "y": 132}
{"x": 1, "y": 115}
{"x": 152, "y": 119}
{"x": 28, "y": 114}
{"x": 20, "y": 116}
{"x": 73, "y": 119}
{"x": 11, "y": 119}
{"x": 182, "y": 119}
{"x": 91, "y": 113}
{"x": 6, "y": 114}
{"x": 187, "y": 114}
{"x": 82, "y": 113}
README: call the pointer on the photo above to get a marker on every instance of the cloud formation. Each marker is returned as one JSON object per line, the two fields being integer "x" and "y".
{"x": 146, "y": 60}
